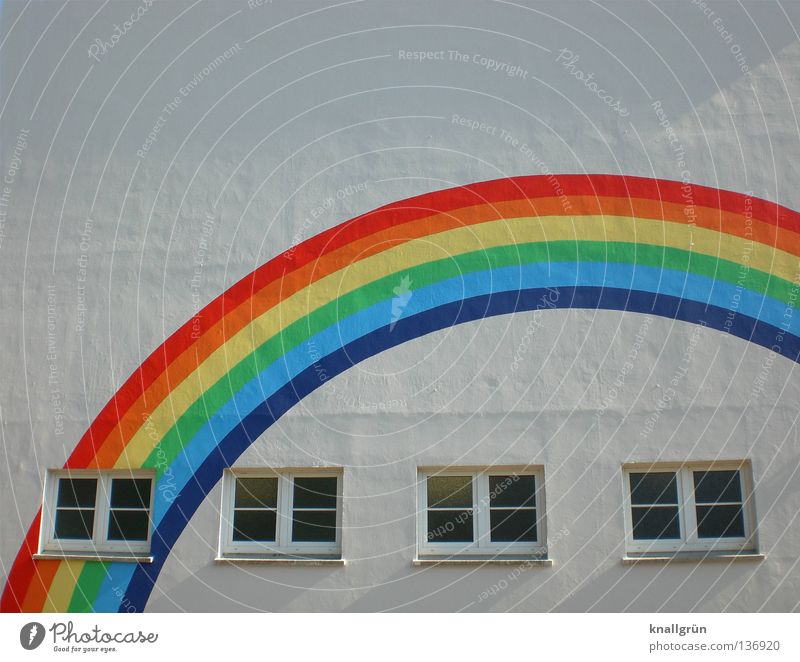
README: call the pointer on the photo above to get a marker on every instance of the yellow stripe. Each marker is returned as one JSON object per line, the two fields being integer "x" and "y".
{"x": 60, "y": 593}
{"x": 437, "y": 246}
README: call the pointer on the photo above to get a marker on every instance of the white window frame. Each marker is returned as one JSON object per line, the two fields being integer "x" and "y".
{"x": 48, "y": 543}
{"x": 284, "y": 545}
{"x": 687, "y": 515}
{"x": 481, "y": 544}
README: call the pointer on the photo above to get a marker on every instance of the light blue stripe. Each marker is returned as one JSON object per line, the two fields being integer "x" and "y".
{"x": 113, "y": 587}
{"x": 622, "y": 276}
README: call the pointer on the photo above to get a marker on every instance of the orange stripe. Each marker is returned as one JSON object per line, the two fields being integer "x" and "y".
{"x": 188, "y": 361}
{"x": 714, "y": 219}
{"x": 40, "y": 585}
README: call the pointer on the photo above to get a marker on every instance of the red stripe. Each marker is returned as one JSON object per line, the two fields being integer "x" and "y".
{"x": 391, "y": 215}
{"x": 398, "y": 213}
{"x": 22, "y": 572}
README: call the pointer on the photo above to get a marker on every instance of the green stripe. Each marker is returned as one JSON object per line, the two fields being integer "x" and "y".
{"x": 502, "y": 256}
{"x": 88, "y": 586}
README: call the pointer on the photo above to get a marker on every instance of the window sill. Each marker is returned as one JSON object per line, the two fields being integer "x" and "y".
{"x": 86, "y": 556}
{"x": 534, "y": 561}
{"x": 694, "y": 557}
{"x": 269, "y": 560}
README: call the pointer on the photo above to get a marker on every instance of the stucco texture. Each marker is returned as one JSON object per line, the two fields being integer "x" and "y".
{"x": 149, "y": 167}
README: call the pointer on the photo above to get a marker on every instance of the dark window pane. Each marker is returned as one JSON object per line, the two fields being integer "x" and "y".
{"x": 654, "y": 487}
{"x": 720, "y": 522}
{"x": 450, "y": 526}
{"x": 512, "y": 490}
{"x": 450, "y": 491}
{"x": 655, "y": 523}
{"x": 314, "y": 526}
{"x": 254, "y": 525}
{"x": 513, "y": 525}
{"x": 128, "y": 525}
{"x": 130, "y": 493}
{"x": 315, "y": 492}
{"x": 75, "y": 524}
{"x": 713, "y": 486}
{"x": 77, "y": 492}
{"x": 256, "y": 492}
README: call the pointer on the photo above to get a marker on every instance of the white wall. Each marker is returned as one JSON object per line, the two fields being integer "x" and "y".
{"x": 320, "y": 100}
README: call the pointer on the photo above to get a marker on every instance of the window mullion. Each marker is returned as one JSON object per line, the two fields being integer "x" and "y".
{"x": 540, "y": 504}
{"x": 688, "y": 506}
{"x": 748, "y": 509}
{"x": 149, "y": 510}
{"x": 339, "y": 509}
{"x": 227, "y": 514}
{"x": 422, "y": 508}
{"x": 279, "y": 514}
{"x": 628, "y": 506}
{"x": 480, "y": 527}
{"x": 54, "y": 509}
{"x": 285, "y": 507}
{"x": 101, "y": 511}
{"x": 100, "y": 540}
{"x": 283, "y": 511}
{"x": 46, "y": 535}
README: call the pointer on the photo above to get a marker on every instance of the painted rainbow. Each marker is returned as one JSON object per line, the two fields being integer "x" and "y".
{"x": 681, "y": 251}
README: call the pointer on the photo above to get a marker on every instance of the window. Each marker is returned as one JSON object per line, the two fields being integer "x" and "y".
{"x": 481, "y": 513}
{"x": 689, "y": 508}
{"x": 97, "y": 512}
{"x": 269, "y": 514}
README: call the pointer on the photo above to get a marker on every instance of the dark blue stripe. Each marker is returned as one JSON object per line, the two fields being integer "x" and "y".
{"x": 435, "y": 319}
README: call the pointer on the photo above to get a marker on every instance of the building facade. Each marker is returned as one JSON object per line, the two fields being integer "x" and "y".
{"x": 476, "y": 306}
